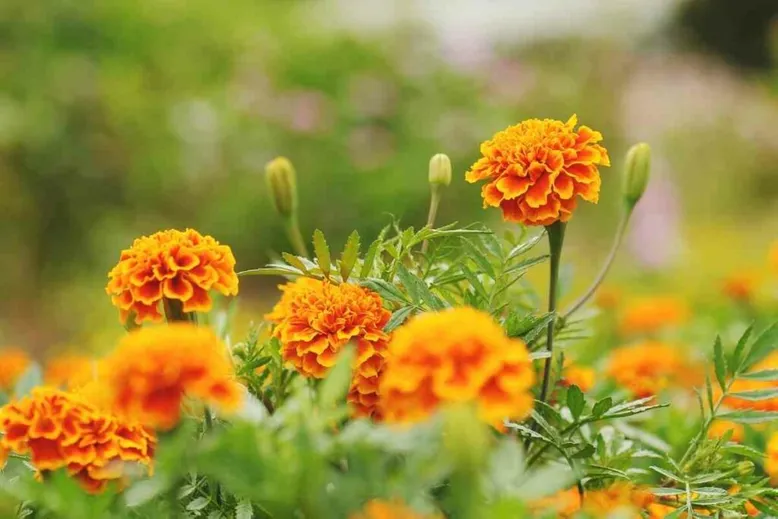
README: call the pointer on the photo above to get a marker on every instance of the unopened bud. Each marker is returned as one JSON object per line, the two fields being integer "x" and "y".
{"x": 440, "y": 170}
{"x": 745, "y": 468}
{"x": 282, "y": 182}
{"x": 636, "y": 172}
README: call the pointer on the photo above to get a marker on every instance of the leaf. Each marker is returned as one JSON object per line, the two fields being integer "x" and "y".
{"x": 272, "y": 270}
{"x": 197, "y": 504}
{"x": 765, "y": 374}
{"x": 322, "y": 251}
{"x": 586, "y": 452}
{"x": 521, "y": 248}
{"x": 474, "y": 282}
{"x": 31, "y": 378}
{"x": 667, "y": 474}
{"x": 526, "y": 264}
{"x": 367, "y": 264}
{"x": 738, "y": 353}
{"x": 386, "y": 290}
{"x": 295, "y": 262}
{"x": 348, "y": 257}
{"x": 244, "y": 510}
{"x": 762, "y": 346}
{"x": 398, "y": 317}
{"x": 527, "y": 432}
{"x": 602, "y": 407}
{"x": 417, "y": 289}
{"x": 334, "y": 388}
{"x": 553, "y": 433}
{"x": 756, "y": 395}
{"x": 744, "y": 450}
{"x": 575, "y": 401}
{"x": 750, "y": 417}
{"x": 720, "y": 364}
{"x": 664, "y": 492}
{"x": 478, "y": 257}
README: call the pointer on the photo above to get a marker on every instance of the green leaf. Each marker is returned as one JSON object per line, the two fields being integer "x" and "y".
{"x": 32, "y": 377}
{"x": 586, "y": 452}
{"x": 756, "y": 395}
{"x": 477, "y": 256}
{"x": 334, "y": 388}
{"x": 521, "y": 248}
{"x": 398, "y": 317}
{"x": 737, "y": 355}
{"x": 272, "y": 269}
{"x": 667, "y": 474}
{"x": 765, "y": 375}
{"x": 348, "y": 257}
{"x": 322, "y": 251}
{"x": 601, "y": 407}
{"x": 720, "y": 364}
{"x": 575, "y": 401}
{"x": 417, "y": 289}
{"x": 367, "y": 264}
{"x": 762, "y": 346}
{"x": 527, "y": 432}
{"x": 295, "y": 262}
{"x": 750, "y": 417}
{"x": 474, "y": 282}
{"x": 526, "y": 264}
{"x": 244, "y": 510}
{"x": 744, "y": 450}
{"x": 386, "y": 290}
{"x": 197, "y": 504}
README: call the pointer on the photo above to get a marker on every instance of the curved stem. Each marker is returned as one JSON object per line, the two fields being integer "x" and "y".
{"x": 556, "y": 236}
{"x": 434, "y": 203}
{"x": 295, "y": 236}
{"x": 617, "y": 239}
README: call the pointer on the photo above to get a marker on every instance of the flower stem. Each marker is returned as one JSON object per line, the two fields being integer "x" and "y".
{"x": 556, "y": 237}
{"x": 617, "y": 239}
{"x": 292, "y": 225}
{"x": 174, "y": 310}
{"x": 433, "y": 213}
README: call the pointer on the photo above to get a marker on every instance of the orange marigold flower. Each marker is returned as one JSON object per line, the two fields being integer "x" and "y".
{"x": 152, "y": 369}
{"x": 380, "y": 509}
{"x": 61, "y": 430}
{"x": 607, "y": 298}
{"x": 535, "y": 170}
{"x": 13, "y": 363}
{"x": 597, "y": 503}
{"x": 740, "y": 286}
{"x": 721, "y": 427}
{"x": 180, "y": 266}
{"x": 575, "y": 375}
{"x": 458, "y": 355}
{"x": 649, "y": 314}
{"x": 741, "y": 385}
{"x": 69, "y": 371}
{"x": 314, "y": 322}
{"x": 565, "y": 503}
{"x": 771, "y": 458}
{"x": 772, "y": 256}
{"x": 648, "y": 368}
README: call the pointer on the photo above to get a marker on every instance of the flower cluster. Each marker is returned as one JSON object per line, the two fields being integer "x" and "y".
{"x": 380, "y": 509}
{"x": 619, "y": 497}
{"x": 62, "y": 430}
{"x": 456, "y": 356}
{"x": 180, "y": 266}
{"x": 650, "y": 314}
{"x": 152, "y": 369}
{"x": 648, "y": 368}
{"x": 316, "y": 319}
{"x": 13, "y": 364}
{"x": 536, "y": 169}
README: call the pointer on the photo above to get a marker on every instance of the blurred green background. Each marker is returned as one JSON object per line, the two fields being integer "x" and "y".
{"x": 122, "y": 118}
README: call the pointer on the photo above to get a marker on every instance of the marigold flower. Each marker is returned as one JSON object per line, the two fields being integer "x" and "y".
{"x": 740, "y": 286}
{"x": 772, "y": 256}
{"x": 61, "y": 430}
{"x": 13, "y": 363}
{"x": 69, "y": 371}
{"x": 648, "y": 368}
{"x": 536, "y": 169}
{"x": 575, "y": 375}
{"x": 607, "y": 298}
{"x": 152, "y": 369}
{"x": 179, "y": 266}
{"x": 597, "y": 503}
{"x": 458, "y": 355}
{"x": 650, "y": 314}
{"x": 771, "y": 458}
{"x": 316, "y": 319}
{"x": 380, "y": 509}
{"x": 741, "y": 385}
{"x": 721, "y": 427}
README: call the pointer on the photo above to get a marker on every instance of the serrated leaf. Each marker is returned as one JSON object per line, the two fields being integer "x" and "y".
{"x": 737, "y": 354}
{"x": 526, "y": 264}
{"x": 322, "y": 251}
{"x": 398, "y": 318}
{"x": 750, "y": 417}
{"x": 521, "y": 248}
{"x": 386, "y": 290}
{"x": 474, "y": 282}
{"x": 272, "y": 270}
{"x": 667, "y": 473}
{"x": 543, "y": 423}
{"x": 348, "y": 257}
{"x": 665, "y": 492}
{"x": 586, "y": 452}
{"x": 601, "y": 407}
{"x": 334, "y": 388}
{"x": 575, "y": 401}
{"x": 720, "y": 364}
{"x": 764, "y": 375}
{"x": 766, "y": 343}
{"x": 295, "y": 262}
{"x": 197, "y": 504}
{"x": 417, "y": 288}
{"x": 244, "y": 510}
{"x": 744, "y": 450}
{"x": 478, "y": 257}
{"x": 527, "y": 432}
{"x": 367, "y": 264}
{"x": 756, "y": 395}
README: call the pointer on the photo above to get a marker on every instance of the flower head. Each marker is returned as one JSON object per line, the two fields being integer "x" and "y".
{"x": 771, "y": 455}
{"x": 650, "y": 314}
{"x": 316, "y": 319}
{"x": 721, "y": 427}
{"x": 13, "y": 363}
{"x": 175, "y": 265}
{"x": 740, "y": 286}
{"x": 648, "y": 368}
{"x": 536, "y": 169}
{"x": 61, "y": 430}
{"x": 380, "y": 509}
{"x": 577, "y": 375}
{"x": 69, "y": 371}
{"x": 772, "y": 256}
{"x": 152, "y": 369}
{"x": 456, "y": 356}
{"x": 597, "y": 503}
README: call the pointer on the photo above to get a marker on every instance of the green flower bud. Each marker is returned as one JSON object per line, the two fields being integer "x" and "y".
{"x": 440, "y": 170}
{"x": 636, "y": 173}
{"x": 282, "y": 182}
{"x": 745, "y": 468}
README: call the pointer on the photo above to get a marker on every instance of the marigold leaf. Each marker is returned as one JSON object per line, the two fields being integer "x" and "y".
{"x": 602, "y": 406}
{"x": 575, "y": 401}
{"x": 749, "y": 416}
{"x": 720, "y": 364}
{"x": 272, "y": 270}
{"x": 334, "y": 388}
{"x": 348, "y": 257}
{"x": 744, "y": 450}
{"x": 322, "y": 251}
{"x": 667, "y": 474}
{"x": 526, "y": 264}
{"x": 756, "y": 395}
{"x": 477, "y": 256}
{"x": 386, "y": 290}
{"x": 763, "y": 375}
{"x": 737, "y": 355}
{"x": 762, "y": 346}
{"x": 370, "y": 257}
{"x": 244, "y": 510}
{"x": 398, "y": 318}
{"x": 521, "y": 248}
{"x": 586, "y": 452}
{"x": 295, "y": 262}
{"x": 527, "y": 432}
{"x": 197, "y": 504}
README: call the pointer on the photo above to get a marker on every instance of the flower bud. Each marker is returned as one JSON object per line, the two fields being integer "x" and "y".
{"x": 440, "y": 170}
{"x": 282, "y": 182}
{"x": 636, "y": 172}
{"x": 745, "y": 468}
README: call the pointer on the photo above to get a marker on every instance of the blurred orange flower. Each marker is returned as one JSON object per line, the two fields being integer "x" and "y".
{"x": 720, "y": 427}
{"x": 771, "y": 458}
{"x": 536, "y": 169}
{"x": 316, "y": 319}
{"x": 743, "y": 385}
{"x": 649, "y": 314}
{"x": 152, "y": 369}
{"x": 647, "y": 368}
{"x": 772, "y": 256}
{"x": 380, "y": 509}
{"x": 172, "y": 265}
{"x": 581, "y": 376}
{"x": 607, "y": 298}
{"x": 65, "y": 430}
{"x": 69, "y": 371}
{"x": 740, "y": 286}
{"x": 458, "y": 355}
{"x": 597, "y": 503}
{"x": 13, "y": 363}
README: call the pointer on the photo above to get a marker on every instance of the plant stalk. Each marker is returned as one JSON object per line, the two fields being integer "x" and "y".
{"x": 556, "y": 237}
{"x": 433, "y": 213}
{"x": 292, "y": 226}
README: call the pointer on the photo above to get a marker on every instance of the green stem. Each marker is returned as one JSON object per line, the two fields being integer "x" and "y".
{"x": 174, "y": 311}
{"x": 295, "y": 236}
{"x": 617, "y": 239}
{"x": 556, "y": 237}
{"x": 213, "y": 486}
{"x": 433, "y": 213}
{"x": 706, "y": 425}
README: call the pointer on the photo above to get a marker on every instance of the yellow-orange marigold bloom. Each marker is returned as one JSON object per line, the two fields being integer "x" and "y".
{"x": 649, "y": 314}
{"x": 721, "y": 427}
{"x": 771, "y": 458}
{"x": 742, "y": 385}
{"x": 647, "y": 368}
{"x": 13, "y": 363}
{"x": 597, "y": 503}
{"x": 458, "y": 355}
{"x": 740, "y": 286}
{"x": 772, "y": 256}
{"x": 381, "y": 509}
{"x": 152, "y": 369}
{"x": 316, "y": 319}
{"x": 61, "y": 430}
{"x": 69, "y": 371}
{"x": 175, "y": 265}
{"x": 575, "y": 375}
{"x": 535, "y": 170}
{"x": 607, "y": 298}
